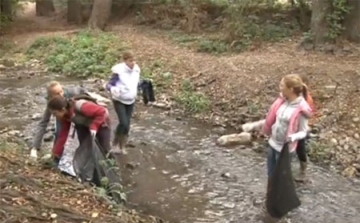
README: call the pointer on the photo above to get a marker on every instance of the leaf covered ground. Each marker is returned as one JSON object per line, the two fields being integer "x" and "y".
{"x": 31, "y": 193}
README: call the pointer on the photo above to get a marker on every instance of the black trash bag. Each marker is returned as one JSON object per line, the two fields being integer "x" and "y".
{"x": 91, "y": 164}
{"x": 281, "y": 196}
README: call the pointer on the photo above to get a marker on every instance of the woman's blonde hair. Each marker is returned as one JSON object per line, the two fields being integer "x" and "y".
{"x": 50, "y": 86}
{"x": 295, "y": 82}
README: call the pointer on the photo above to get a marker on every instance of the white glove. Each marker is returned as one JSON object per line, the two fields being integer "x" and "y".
{"x": 93, "y": 133}
{"x": 247, "y": 127}
{"x": 115, "y": 92}
{"x": 253, "y": 126}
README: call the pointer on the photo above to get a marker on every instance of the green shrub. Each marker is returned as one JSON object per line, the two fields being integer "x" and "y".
{"x": 85, "y": 54}
{"x": 193, "y": 101}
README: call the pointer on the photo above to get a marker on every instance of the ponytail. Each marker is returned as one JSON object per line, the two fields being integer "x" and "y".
{"x": 305, "y": 91}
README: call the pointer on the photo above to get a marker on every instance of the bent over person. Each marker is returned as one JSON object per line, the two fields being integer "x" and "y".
{"x": 89, "y": 118}
{"x": 53, "y": 89}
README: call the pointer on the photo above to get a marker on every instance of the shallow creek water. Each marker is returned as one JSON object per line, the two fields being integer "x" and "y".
{"x": 177, "y": 172}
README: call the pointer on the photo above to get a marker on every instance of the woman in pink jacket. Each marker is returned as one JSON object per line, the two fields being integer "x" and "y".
{"x": 287, "y": 119}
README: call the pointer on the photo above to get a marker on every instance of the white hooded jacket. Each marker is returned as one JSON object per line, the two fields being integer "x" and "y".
{"x": 125, "y": 89}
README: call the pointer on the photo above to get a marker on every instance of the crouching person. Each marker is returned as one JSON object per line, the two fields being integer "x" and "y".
{"x": 89, "y": 119}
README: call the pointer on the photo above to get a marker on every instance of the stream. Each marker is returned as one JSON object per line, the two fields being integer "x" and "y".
{"x": 177, "y": 172}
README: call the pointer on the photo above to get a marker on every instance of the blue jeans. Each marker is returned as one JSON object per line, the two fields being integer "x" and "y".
{"x": 272, "y": 158}
{"x": 124, "y": 113}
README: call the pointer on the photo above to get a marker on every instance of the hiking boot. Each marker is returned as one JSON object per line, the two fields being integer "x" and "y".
{"x": 120, "y": 146}
{"x": 123, "y": 142}
{"x": 302, "y": 175}
{"x": 115, "y": 144}
{"x": 34, "y": 154}
{"x": 116, "y": 140}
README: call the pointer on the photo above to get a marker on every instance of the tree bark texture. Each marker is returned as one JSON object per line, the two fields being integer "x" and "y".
{"x": 319, "y": 26}
{"x": 100, "y": 14}
{"x": 6, "y": 9}
{"x": 44, "y": 7}
{"x": 352, "y": 22}
{"x": 75, "y": 9}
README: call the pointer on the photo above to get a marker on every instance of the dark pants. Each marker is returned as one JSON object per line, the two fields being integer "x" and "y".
{"x": 301, "y": 150}
{"x": 272, "y": 158}
{"x": 124, "y": 113}
{"x": 103, "y": 136}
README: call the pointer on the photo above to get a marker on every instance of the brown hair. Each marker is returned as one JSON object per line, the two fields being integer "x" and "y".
{"x": 127, "y": 55}
{"x": 58, "y": 103}
{"x": 304, "y": 78}
{"x": 295, "y": 82}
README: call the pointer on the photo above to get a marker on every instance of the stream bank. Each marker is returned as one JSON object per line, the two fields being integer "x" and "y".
{"x": 177, "y": 172}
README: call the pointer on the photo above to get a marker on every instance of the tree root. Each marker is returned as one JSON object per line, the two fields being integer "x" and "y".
{"x": 62, "y": 212}
{"x": 19, "y": 180}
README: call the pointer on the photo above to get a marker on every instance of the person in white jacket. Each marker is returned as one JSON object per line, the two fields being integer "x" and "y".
{"x": 123, "y": 87}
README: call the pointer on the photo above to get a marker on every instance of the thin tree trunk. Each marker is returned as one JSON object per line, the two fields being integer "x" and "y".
{"x": 44, "y": 7}
{"x": 319, "y": 26}
{"x": 6, "y": 9}
{"x": 352, "y": 22}
{"x": 74, "y": 12}
{"x": 100, "y": 14}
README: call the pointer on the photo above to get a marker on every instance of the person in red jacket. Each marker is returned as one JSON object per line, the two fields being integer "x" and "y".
{"x": 89, "y": 119}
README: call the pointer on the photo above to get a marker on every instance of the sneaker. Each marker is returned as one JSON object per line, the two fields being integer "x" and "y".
{"x": 124, "y": 151}
{"x": 115, "y": 149}
{"x": 33, "y": 153}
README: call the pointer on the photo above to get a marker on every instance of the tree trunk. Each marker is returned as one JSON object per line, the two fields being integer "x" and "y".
{"x": 100, "y": 14}
{"x": 6, "y": 9}
{"x": 319, "y": 26}
{"x": 74, "y": 12}
{"x": 352, "y": 22}
{"x": 44, "y": 7}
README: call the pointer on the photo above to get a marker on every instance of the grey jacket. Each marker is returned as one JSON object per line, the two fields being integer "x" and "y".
{"x": 279, "y": 128}
{"x": 41, "y": 127}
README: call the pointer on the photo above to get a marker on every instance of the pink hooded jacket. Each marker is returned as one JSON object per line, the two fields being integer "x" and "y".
{"x": 303, "y": 108}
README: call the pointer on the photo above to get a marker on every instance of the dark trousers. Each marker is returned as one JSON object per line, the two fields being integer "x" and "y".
{"x": 123, "y": 113}
{"x": 301, "y": 150}
{"x": 272, "y": 158}
{"x": 103, "y": 136}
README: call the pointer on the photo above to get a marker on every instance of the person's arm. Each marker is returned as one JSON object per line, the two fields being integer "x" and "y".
{"x": 95, "y": 111}
{"x": 41, "y": 129}
{"x": 112, "y": 82}
{"x": 302, "y": 129}
{"x": 62, "y": 137}
{"x": 74, "y": 91}
{"x": 253, "y": 126}
{"x": 311, "y": 103}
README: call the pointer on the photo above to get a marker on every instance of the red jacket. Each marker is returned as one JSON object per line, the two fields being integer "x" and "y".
{"x": 98, "y": 113}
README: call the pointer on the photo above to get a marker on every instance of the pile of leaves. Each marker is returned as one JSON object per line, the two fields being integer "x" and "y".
{"x": 84, "y": 54}
{"x": 30, "y": 193}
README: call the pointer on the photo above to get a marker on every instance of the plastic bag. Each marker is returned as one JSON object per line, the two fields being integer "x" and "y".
{"x": 91, "y": 164}
{"x": 281, "y": 195}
